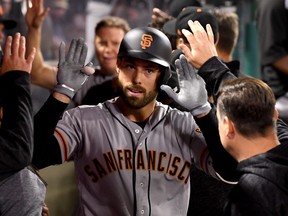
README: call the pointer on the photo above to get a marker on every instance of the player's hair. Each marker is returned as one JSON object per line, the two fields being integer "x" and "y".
{"x": 228, "y": 27}
{"x": 249, "y": 103}
{"x": 112, "y": 21}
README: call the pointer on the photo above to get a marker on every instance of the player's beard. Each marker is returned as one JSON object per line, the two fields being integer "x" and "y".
{"x": 136, "y": 102}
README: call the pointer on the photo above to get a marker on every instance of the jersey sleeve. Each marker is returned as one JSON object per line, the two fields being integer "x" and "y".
{"x": 188, "y": 133}
{"x": 68, "y": 133}
{"x": 201, "y": 155}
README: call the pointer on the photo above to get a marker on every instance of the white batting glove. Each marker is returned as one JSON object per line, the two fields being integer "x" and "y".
{"x": 72, "y": 73}
{"x": 192, "y": 95}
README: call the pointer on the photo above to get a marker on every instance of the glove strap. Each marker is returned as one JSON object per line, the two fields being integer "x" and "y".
{"x": 64, "y": 89}
{"x": 201, "y": 109}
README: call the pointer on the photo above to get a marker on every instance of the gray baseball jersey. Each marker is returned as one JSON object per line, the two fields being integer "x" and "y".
{"x": 123, "y": 169}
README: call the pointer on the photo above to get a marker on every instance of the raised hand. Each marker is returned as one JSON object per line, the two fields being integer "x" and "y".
{"x": 160, "y": 16}
{"x": 192, "y": 95}
{"x": 72, "y": 73}
{"x": 14, "y": 55}
{"x": 35, "y": 13}
{"x": 202, "y": 45}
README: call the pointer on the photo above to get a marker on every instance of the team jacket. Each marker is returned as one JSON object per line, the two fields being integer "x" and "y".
{"x": 21, "y": 191}
{"x": 16, "y": 131}
{"x": 263, "y": 186}
{"x": 121, "y": 168}
{"x": 214, "y": 72}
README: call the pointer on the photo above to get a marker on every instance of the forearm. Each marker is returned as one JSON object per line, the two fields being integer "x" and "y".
{"x": 46, "y": 148}
{"x": 41, "y": 74}
{"x": 282, "y": 65}
{"x": 17, "y": 125}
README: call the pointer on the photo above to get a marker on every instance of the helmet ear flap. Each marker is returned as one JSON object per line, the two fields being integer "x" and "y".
{"x": 166, "y": 76}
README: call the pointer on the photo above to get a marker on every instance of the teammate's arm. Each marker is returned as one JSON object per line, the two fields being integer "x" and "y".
{"x": 214, "y": 72}
{"x": 46, "y": 148}
{"x": 16, "y": 131}
{"x": 71, "y": 76}
{"x": 42, "y": 74}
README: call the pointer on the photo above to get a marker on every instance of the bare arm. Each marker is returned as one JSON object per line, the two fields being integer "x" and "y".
{"x": 41, "y": 74}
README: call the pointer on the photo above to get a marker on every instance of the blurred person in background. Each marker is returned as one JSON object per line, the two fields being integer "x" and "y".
{"x": 272, "y": 22}
{"x": 108, "y": 35}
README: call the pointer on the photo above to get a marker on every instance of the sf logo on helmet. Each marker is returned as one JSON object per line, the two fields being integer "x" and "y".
{"x": 146, "y": 41}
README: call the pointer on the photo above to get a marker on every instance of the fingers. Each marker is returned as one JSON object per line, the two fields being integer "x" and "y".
{"x": 22, "y": 47}
{"x": 78, "y": 50}
{"x": 158, "y": 13}
{"x": 62, "y": 53}
{"x": 15, "y": 46}
{"x": 84, "y": 52}
{"x": 76, "y": 54}
{"x": 185, "y": 49}
{"x": 88, "y": 69}
{"x": 186, "y": 67}
{"x": 169, "y": 91}
{"x": 179, "y": 70}
{"x": 80, "y": 53}
{"x": 14, "y": 55}
{"x": 210, "y": 33}
{"x": 8, "y": 46}
{"x": 71, "y": 51}
{"x": 188, "y": 35}
{"x": 27, "y": 4}
{"x": 15, "y": 43}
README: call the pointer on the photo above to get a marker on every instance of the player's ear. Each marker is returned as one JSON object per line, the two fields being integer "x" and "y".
{"x": 276, "y": 114}
{"x": 118, "y": 65}
{"x": 217, "y": 40}
{"x": 229, "y": 127}
{"x": 179, "y": 41}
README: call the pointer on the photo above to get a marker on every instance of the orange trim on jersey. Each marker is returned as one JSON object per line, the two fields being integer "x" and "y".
{"x": 63, "y": 143}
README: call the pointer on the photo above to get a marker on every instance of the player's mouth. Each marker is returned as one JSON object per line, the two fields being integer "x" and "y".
{"x": 109, "y": 60}
{"x": 135, "y": 92}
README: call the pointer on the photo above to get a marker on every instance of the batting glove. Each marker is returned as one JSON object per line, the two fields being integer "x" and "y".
{"x": 72, "y": 73}
{"x": 192, "y": 95}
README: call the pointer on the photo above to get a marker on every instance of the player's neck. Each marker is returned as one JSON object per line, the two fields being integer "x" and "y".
{"x": 224, "y": 56}
{"x": 249, "y": 147}
{"x": 136, "y": 115}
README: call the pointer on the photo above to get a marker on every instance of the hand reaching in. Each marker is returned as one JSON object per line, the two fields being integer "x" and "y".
{"x": 35, "y": 13}
{"x": 192, "y": 95}
{"x": 14, "y": 55}
{"x": 201, "y": 42}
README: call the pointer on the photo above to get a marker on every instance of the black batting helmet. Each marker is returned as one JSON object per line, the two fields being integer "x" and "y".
{"x": 148, "y": 44}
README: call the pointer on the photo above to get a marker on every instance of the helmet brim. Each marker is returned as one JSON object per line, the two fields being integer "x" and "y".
{"x": 144, "y": 56}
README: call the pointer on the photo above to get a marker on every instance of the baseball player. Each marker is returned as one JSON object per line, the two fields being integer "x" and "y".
{"x": 132, "y": 154}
